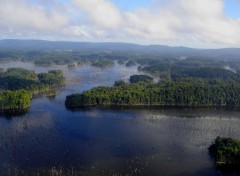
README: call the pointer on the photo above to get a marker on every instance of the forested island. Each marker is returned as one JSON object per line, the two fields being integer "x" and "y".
{"x": 103, "y": 63}
{"x": 18, "y": 85}
{"x": 226, "y": 152}
{"x": 23, "y": 79}
{"x": 184, "y": 92}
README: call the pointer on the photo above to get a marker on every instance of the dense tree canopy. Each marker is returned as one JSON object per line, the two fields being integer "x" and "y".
{"x": 52, "y": 78}
{"x": 204, "y": 72}
{"x": 15, "y": 101}
{"x": 156, "y": 69}
{"x": 226, "y": 152}
{"x": 103, "y": 63}
{"x": 21, "y": 73}
{"x": 188, "y": 92}
{"x": 19, "y": 84}
{"x": 119, "y": 83}
{"x": 140, "y": 78}
{"x": 19, "y": 78}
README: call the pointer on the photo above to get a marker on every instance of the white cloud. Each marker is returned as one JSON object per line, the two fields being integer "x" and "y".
{"x": 207, "y": 22}
{"x": 75, "y": 31}
{"x": 195, "y": 21}
{"x": 144, "y": 23}
{"x": 18, "y": 15}
{"x": 101, "y": 12}
{"x": 176, "y": 22}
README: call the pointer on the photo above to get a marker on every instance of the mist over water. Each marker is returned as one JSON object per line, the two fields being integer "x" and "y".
{"x": 110, "y": 141}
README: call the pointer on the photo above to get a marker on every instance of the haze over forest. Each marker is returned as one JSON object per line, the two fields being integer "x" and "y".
{"x": 119, "y": 87}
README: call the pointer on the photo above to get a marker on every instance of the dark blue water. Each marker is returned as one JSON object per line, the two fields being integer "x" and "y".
{"x": 51, "y": 140}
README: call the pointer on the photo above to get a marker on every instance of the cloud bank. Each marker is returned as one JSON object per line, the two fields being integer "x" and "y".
{"x": 196, "y": 23}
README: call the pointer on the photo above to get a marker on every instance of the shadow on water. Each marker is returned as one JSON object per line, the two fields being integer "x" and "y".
{"x": 178, "y": 111}
{"x": 13, "y": 114}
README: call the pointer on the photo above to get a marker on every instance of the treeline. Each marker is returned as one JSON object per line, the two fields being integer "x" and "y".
{"x": 140, "y": 78}
{"x": 103, "y": 63}
{"x": 204, "y": 72}
{"x": 15, "y": 101}
{"x": 226, "y": 152}
{"x": 188, "y": 92}
{"x": 22, "y": 79}
{"x": 201, "y": 68}
{"x": 62, "y": 57}
{"x": 149, "y": 62}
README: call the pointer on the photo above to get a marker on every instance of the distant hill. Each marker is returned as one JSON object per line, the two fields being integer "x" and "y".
{"x": 78, "y": 46}
{"x": 42, "y": 45}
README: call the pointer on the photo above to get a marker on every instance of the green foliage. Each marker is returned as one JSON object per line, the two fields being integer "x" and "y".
{"x": 119, "y": 83}
{"x": 44, "y": 62}
{"x": 226, "y": 151}
{"x": 140, "y": 78}
{"x": 51, "y": 58}
{"x": 12, "y": 101}
{"x": 18, "y": 78}
{"x": 52, "y": 78}
{"x": 103, "y": 63}
{"x": 204, "y": 72}
{"x": 21, "y": 73}
{"x": 157, "y": 69}
{"x": 196, "y": 62}
{"x": 188, "y": 92}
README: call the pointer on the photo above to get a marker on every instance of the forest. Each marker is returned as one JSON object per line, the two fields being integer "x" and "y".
{"x": 153, "y": 59}
{"x": 226, "y": 152}
{"x": 19, "y": 78}
{"x": 188, "y": 92}
{"x": 18, "y": 85}
{"x": 103, "y": 63}
{"x": 140, "y": 78}
{"x": 15, "y": 101}
{"x": 188, "y": 77}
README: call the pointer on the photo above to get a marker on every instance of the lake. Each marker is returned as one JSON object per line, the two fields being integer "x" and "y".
{"x": 52, "y": 140}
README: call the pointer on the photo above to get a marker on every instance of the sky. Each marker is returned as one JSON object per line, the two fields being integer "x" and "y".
{"x": 191, "y": 23}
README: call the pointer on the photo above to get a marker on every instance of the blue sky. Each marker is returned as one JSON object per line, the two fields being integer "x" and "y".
{"x": 232, "y": 8}
{"x": 131, "y": 4}
{"x": 193, "y": 23}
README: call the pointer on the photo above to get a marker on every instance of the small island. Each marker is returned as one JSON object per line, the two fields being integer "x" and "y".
{"x": 226, "y": 152}
{"x": 103, "y": 63}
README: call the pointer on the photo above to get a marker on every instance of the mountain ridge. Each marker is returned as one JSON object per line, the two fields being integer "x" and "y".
{"x": 104, "y": 47}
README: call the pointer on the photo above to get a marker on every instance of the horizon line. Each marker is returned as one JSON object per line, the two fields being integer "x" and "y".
{"x": 119, "y": 42}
